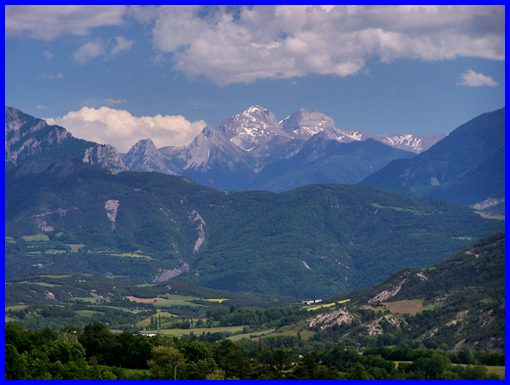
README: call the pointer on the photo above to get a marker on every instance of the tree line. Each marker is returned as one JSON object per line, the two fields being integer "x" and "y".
{"x": 97, "y": 353}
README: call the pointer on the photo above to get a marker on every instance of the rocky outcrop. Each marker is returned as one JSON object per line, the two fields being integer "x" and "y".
{"x": 104, "y": 156}
{"x": 386, "y": 294}
{"x": 29, "y": 138}
{"x": 328, "y": 320}
{"x": 195, "y": 217}
{"x": 165, "y": 275}
{"x": 111, "y": 206}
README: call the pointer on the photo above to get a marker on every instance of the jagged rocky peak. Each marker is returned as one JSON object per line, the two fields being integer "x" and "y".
{"x": 105, "y": 156}
{"x": 411, "y": 142}
{"x": 254, "y": 121}
{"x": 248, "y": 129}
{"x": 144, "y": 156}
{"x": 304, "y": 123}
{"x": 143, "y": 146}
{"x": 15, "y": 120}
{"x": 27, "y": 136}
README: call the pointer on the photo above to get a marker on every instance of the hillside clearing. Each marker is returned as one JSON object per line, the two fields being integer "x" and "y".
{"x": 36, "y": 238}
{"x": 407, "y": 306}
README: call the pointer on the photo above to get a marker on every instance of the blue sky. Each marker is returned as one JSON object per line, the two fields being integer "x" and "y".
{"x": 98, "y": 70}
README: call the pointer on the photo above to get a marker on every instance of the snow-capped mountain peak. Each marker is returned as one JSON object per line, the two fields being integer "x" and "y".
{"x": 355, "y": 135}
{"x": 410, "y": 142}
{"x": 255, "y": 109}
{"x": 248, "y": 129}
{"x": 304, "y": 124}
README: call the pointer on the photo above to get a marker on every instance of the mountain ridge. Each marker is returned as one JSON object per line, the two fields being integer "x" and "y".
{"x": 230, "y": 155}
{"x": 308, "y": 241}
{"x": 475, "y": 147}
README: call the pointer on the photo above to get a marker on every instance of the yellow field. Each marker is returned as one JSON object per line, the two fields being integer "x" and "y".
{"x": 497, "y": 370}
{"x": 131, "y": 255}
{"x": 196, "y": 331}
{"x": 327, "y": 305}
{"x": 15, "y": 308}
{"x": 166, "y": 301}
{"x": 143, "y": 300}
{"x": 217, "y": 300}
{"x": 43, "y": 284}
{"x": 36, "y": 238}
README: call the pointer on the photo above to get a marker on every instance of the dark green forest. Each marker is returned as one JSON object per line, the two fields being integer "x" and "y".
{"x": 97, "y": 353}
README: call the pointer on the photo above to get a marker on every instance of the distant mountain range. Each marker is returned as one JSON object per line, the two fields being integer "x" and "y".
{"x": 254, "y": 151}
{"x": 241, "y": 153}
{"x": 466, "y": 167}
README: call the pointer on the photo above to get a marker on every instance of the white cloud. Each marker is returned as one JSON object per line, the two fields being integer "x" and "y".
{"x": 121, "y": 129}
{"x": 58, "y": 75}
{"x": 113, "y": 101}
{"x": 49, "y": 22}
{"x": 100, "y": 48}
{"x": 89, "y": 51}
{"x": 121, "y": 45}
{"x": 471, "y": 78}
{"x": 262, "y": 42}
{"x": 41, "y": 107}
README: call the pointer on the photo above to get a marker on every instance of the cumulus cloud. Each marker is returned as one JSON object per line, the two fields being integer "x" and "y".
{"x": 46, "y": 22}
{"x": 249, "y": 43}
{"x": 121, "y": 129}
{"x": 89, "y": 51}
{"x": 100, "y": 48}
{"x": 471, "y": 78}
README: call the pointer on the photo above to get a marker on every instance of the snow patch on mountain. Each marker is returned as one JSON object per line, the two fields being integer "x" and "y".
{"x": 410, "y": 142}
{"x": 355, "y": 135}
